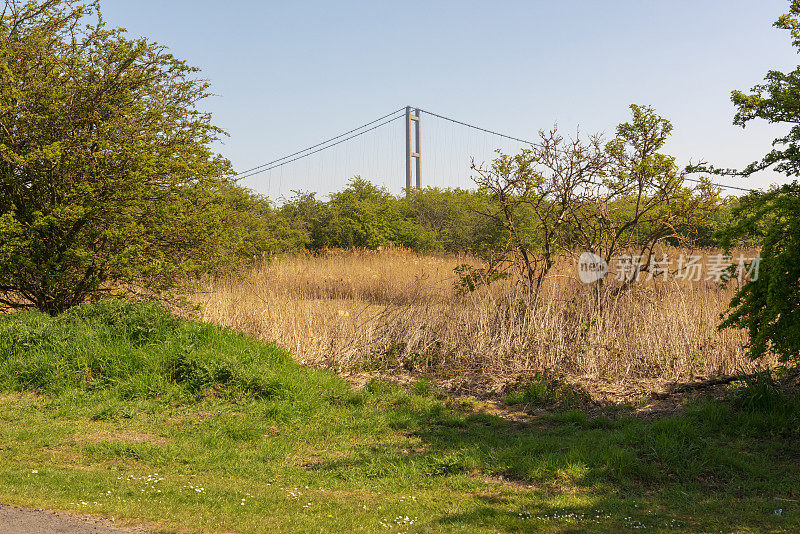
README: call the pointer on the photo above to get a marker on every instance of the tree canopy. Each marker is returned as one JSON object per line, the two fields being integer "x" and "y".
{"x": 107, "y": 176}
{"x": 776, "y": 101}
{"x": 563, "y": 195}
{"x": 770, "y": 306}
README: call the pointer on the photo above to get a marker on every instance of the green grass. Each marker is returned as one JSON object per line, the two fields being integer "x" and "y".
{"x": 123, "y": 410}
{"x": 545, "y": 390}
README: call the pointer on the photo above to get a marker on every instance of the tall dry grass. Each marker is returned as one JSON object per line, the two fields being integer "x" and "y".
{"x": 393, "y": 308}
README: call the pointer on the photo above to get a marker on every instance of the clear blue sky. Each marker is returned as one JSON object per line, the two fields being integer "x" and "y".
{"x": 289, "y": 74}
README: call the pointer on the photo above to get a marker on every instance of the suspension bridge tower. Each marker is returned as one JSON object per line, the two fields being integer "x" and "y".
{"x": 413, "y": 149}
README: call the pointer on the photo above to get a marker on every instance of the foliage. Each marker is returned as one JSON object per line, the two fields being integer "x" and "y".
{"x": 645, "y": 198}
{"x": 706, "y": 233}
{"x": 107, "y": 179}
{"x": 471, "y": 278}
{"x": 770, "y": 306}
{"x": 362, "y": 216}
{"x": 246, "y": 225}
{"x": 622, "y": 196}
{"x": 471, "y": 221}
{"x": 775, "y": 101}
{"x": 455, "y": 216}
{"x": 531, "y": 204}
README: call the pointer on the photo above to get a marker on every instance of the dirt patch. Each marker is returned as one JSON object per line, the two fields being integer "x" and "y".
{"x": 482, "y": 387}
{"x": 195, "y": 418}
{"x": 602, "y": 391}
{"x": 643, "y": 398}
{"x": 506, "y": 482}
{"x": 126, "y": 437}
{"x": 511, "y": 413}
{"x": 37, "y": 521}
{"x": 17, "y": 398}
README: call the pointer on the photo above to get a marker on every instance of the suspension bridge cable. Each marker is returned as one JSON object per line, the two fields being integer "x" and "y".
{"x": 540, "y": 145}
{"x": 722, "y": 185}
{"x": 268, "y": 167}
{"x": 479, "y": 128}
{"x": 319, "y": 144}
{"x": 328, "y": 143}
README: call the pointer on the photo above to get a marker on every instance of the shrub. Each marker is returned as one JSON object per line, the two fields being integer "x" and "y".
{"x": 107, "y": 177}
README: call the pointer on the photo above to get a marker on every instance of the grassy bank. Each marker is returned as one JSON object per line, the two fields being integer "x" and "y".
{"x": 126, "y": 411}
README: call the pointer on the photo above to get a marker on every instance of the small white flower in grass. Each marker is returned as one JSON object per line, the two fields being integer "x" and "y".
{"x": 35, "y": 471}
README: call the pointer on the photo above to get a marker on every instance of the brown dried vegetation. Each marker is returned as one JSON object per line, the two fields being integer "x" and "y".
{"x": 393, "y": 309}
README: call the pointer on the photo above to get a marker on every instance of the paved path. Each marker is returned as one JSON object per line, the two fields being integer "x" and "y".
{"x": 17, "y": 520}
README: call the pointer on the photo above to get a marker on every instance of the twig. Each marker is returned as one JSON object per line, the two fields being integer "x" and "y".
{"x": 725, "y": 380}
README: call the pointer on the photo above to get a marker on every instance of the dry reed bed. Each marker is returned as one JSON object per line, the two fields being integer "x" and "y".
{"x": 396, "y": 309}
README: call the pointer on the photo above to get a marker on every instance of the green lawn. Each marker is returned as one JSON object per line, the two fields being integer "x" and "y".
{"x": 122, "y": 410}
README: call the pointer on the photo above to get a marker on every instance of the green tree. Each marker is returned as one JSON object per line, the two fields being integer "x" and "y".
{"x": 455, "y": 216}
{"x": 645, "y": 199}
{"x": 770, "y": 307}
{"x": 106, "y": 171}
{"x": 245, "y": 225}
{"x": 566, "y": 195}
{"x": 305, "y": 213}
{"x": 362, "y": 215}
{"x": 776, "y": 101}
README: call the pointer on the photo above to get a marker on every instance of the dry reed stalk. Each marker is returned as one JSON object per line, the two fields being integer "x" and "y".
{"x": 393, "y": 308}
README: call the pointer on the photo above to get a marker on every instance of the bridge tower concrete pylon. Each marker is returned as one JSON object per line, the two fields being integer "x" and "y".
{"x": 413, "y": 149}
